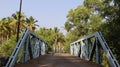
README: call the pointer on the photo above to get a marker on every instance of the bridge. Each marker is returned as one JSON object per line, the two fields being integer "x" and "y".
{"x": 30, "y": 51}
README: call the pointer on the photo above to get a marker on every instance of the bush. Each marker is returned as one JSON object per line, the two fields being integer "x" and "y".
{"x": 7, "y": 47}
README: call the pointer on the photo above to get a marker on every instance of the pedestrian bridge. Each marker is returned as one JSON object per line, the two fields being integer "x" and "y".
{"x": 30, "y": 51}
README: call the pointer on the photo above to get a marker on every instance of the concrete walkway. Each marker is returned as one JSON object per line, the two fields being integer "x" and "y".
{"x": 58, "y": 60}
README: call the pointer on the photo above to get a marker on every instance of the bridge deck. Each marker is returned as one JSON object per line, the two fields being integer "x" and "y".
{"x": 58, "y": 60}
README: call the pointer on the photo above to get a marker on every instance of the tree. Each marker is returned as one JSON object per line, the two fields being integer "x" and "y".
{"x": 77, "y": 24}
{"x": 61, "y": 42}
{"x": 5, "y": 30}
{"x": 52, "y": 36}
{"x": 7, "y": 47}
{"x": 112, "y": 26}
{"x": 2, "y": 30}
{"x": 109, "y": 10}
{"x": 47, "y": 35}
{"x": 67, "y": 26}
{"x": 22, "y": 21}
{"x": 8, "y": 25}
{"x": 95, "y": 15}
{"x": 31, "y": 23}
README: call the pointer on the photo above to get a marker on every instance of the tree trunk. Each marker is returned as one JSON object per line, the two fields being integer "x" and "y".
{"x": 55, "y": 43}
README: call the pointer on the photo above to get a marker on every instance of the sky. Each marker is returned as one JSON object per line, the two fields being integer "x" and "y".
{"x": 49, "y": 13}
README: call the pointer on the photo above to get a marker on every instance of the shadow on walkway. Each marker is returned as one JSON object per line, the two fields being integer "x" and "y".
{"x": 58, "y": 60}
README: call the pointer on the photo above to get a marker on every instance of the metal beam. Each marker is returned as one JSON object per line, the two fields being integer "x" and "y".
{"x": 25, "y": 41}
{"x": 97, "y": 44}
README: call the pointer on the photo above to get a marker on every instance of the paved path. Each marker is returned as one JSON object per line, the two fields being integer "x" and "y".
{"x": 58, "y": 60}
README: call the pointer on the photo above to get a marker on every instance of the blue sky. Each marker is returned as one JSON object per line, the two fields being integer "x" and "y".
{"x": 49, "y": 13}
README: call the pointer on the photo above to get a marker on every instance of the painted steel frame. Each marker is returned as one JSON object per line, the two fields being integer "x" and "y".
{"x": 86, "y": 47}
{"x": 33, "y": 47}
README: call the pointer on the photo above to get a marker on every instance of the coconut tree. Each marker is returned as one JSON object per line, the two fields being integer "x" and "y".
{"x": 31, "y": 23}
{"x": 10, "y": 26}
{"x": 56, "y": 30}
{"x": 12, "y": 23}
{"x": 4, "y": 29}
{"x": 1, "y": 31}
{"x": 60, "y": 42}
{"x": 15, "y": 16}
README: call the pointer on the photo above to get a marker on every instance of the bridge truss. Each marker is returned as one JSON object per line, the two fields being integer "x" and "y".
{"x": 91, "y": 45}
{"x": 28, "y": 47}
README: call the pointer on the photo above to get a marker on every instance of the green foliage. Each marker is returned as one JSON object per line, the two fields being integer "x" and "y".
{"x": 46, "y": 34}
{"x": 8, "y": 25}
{"x": 112, "y": 26}
{"x": 95, "y": 15}
{"x": 8, "y": 46}
{"x": 51, "y": 36}
{"x": 31, "y": 23}
{"x": 81, "y": 21}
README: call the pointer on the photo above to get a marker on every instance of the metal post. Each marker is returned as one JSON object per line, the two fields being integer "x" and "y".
{"x": 93, "y": 50}
{"x": 98, "y": 56}
{"x": 18, "y": 24}
{"x": 79, "y": 53}
{"x": 26, "y": 49}
{"x": 87, "y": 44}
{"x": 30, "y": 49}
{"x": 40, "y": 47}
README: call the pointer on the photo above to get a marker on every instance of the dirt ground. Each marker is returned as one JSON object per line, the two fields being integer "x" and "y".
{"x": 58, "y": 60}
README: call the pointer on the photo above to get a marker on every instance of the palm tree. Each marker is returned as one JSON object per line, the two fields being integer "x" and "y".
{"x": 10, "y": 26}
{"x": 12, "y": 23}
{"x": 60, "y": 42}
{"x": 4, "y": 30}
{"x": 31, "y": 23}
{"x": 1, "y": 31}
{"x": 22, "y": 21}
{"x": 56, "y": 30}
